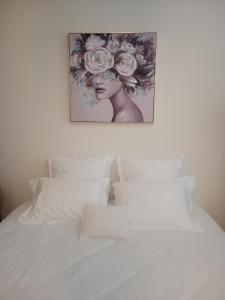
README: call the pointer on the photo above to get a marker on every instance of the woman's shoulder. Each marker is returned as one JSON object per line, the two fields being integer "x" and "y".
{"x": 129, "y": 115}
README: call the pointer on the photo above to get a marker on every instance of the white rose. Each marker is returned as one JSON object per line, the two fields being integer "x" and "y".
{"x": 128, "y": 47}
{"x": 93, "y": 42}
{"x": 98, "y": 61}
{"x": 75, "y": 60}
{"x": 126, "y": 64}
{"x": 113, "y": 45}
{"x": 140, "y": 59}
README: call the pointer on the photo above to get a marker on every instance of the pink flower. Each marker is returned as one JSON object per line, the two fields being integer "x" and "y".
{"x": 113, "y": 46}
{"x": 93, "y": 42}
{"x": 140, "y": 59}
{"x": 128, "y": 47}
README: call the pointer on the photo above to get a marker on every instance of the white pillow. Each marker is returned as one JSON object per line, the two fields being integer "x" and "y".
{"x": 159, "y": 204}
{"x": 82, "y": 168}
{"x": 62, "y": 200}
{"x": 109, "y": 222}
{"x": 135, "y": 169}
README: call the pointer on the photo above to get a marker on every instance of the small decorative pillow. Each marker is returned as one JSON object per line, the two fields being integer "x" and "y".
{"x": 138, "y": 169}
{"x": 159, "y": 204}
{"x": 109, "y": 222}
{"x": 62, "y": 200}
{"x": 80, "y": 169}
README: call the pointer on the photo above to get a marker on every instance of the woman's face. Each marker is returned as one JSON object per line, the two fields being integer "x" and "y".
{"x": 106, "y": 84}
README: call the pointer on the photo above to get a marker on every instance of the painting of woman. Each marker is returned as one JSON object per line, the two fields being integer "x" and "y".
{"x": 114, "y": 68}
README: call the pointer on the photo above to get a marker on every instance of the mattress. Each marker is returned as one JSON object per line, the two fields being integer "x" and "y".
{"x": 49, "y": 262}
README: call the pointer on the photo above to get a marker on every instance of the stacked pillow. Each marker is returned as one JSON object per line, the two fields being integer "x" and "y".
{"x": 60, "y": 200}
{"x": 155, "y": 193}
{"x": 73, "y": 182}
{"x": 80, "y": 169}
{"x": 150, "y": 194}
{"x": 138, "y": 169}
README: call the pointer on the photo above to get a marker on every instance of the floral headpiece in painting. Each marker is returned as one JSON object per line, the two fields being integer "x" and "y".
{"x": 130, "y": 56}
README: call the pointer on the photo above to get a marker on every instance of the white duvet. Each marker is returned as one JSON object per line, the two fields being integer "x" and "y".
{"x": 48, "y": 262}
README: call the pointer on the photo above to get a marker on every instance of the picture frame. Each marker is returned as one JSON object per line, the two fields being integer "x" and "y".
{"x": 112, "y": 77}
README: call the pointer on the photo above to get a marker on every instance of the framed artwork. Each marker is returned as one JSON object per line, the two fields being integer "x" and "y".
{"x": 112, "y": 77}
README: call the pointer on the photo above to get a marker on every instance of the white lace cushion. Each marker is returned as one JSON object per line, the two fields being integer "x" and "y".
{"x": 109, "y": 222}
{"x": 62, "y": 200}
{"x": 133, "y": 169}
{"x": 80, "y": 168}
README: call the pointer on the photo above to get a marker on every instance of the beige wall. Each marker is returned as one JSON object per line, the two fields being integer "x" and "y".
{"x": 190, "y": 89}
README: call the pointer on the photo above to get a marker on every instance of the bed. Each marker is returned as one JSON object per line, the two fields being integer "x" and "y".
{"x": 147, "y": 241}
{"x": 48, "y": 262}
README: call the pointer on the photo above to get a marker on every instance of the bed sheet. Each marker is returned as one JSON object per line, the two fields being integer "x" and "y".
{"x": 48, "y": 262}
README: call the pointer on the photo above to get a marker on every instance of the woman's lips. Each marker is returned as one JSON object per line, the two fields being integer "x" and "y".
{"x": 100, "y": 90}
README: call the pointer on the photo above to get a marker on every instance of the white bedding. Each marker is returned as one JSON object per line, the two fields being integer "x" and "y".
{"x": 48, "y": 262}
